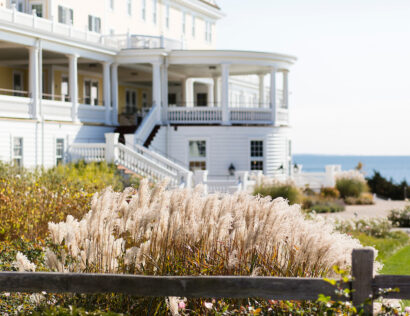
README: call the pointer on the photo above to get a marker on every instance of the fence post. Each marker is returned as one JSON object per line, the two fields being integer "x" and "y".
{"x": 362, "y": 272}
{"x": 111, "y": 147}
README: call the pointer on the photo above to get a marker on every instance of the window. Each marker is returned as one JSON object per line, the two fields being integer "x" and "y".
{"x": 201, "y": 99}
{"x": 208, "y": 31}
{"x": 130, "y": 102}
{"x": 144, "y": 9}
{"x": 65, "y": 94}
{"x": 257, "y": 155}
{"x": 167, "y": 16}
{"x": 91, "y": 92}
{"x": 65, "y": 15}
{"x": 111, "y": 4}
{"x": 193, "y": 26}
{"x": 39, "y": 9}
{"x": 59, "y": 151}
{"x": 129, "y": 7}
{"x": 94, "y": 24}
{"x": 183, "y": 23}
{"x": 197, "y": 155}
{"x": 17, "y": 83}
{"x": 19, "y": 4}
{"x": 17, "y": 154}
{"x": 154, "y": 11}
{"x": 172, "y": 98}
{"x": 144, "y": 100}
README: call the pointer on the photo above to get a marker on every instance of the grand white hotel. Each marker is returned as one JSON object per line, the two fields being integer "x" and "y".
{"x": 72, "y": 73}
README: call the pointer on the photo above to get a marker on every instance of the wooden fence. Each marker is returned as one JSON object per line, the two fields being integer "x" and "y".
{"x": 363, "y": 286}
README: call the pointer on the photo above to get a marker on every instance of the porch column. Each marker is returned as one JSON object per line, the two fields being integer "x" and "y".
{"x": 190, "y": 92}
{"x": 73, "y": 85}
{"x": 216, "y": 91}
{"x": 156, "y": 87}
{"x": 114, "y": 93}
{"x": 34, "y": 86}
{"x": 261, "y": 90}
{"x": 183, "y": 91}
{"x": 107, "y": 92}
{"x": 225, "y": 94}
{"x": 285, "y": 89}
{"x": 273, "y": 94}
{"x": 164, "y": 93}
{"x": 211, "y": 89}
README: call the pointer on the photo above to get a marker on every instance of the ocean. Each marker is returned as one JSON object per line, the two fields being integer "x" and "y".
{"x": 394, "y": 167}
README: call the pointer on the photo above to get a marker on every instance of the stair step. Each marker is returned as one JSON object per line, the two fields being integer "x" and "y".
{"x": 152, "y": 136}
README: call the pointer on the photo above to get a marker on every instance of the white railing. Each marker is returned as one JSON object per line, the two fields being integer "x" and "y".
{"x": 137, "y": 41}
{"x": 56, "y": 110}
{"x": 250, "y": 115}
{"x": 148, "y": 124}
{"x": 197, "y": 114}
{"x": 16, "y": 107}
{"x": 223, "y": 186}
{"x": 88, "y": 152}
{"x": 91, "y": 113}
{"x": 144, "y": 166}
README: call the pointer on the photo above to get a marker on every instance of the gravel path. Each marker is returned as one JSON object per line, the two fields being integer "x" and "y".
{"x": 381, "y": 208}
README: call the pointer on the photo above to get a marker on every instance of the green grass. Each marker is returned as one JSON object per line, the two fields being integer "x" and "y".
{"x": 399, "y": 263}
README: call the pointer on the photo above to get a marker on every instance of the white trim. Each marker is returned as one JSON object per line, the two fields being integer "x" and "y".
{"x": 207, "y": 148}
{"x": 92, "y": 80}
{"x": 263, "y": 159}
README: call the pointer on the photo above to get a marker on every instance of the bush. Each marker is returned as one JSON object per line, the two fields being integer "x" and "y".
{"x": 387, "y": 188}
{"x": 375, "y": 227}
{"x": 350, "y": 187}
{"x": 275, "y": 190}
{"x": 400, "y": 218}
{"x": 363, "y": 199}
{"x": 330, "y": 192}
{"x": 328, "y": 207}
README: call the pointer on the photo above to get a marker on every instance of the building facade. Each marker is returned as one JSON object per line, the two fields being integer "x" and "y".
{"x": 72, "y": 71}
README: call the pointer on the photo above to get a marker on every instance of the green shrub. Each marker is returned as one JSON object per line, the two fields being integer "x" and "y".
{"x": 388, "y": 189}
{"x": 363, "y": 199}
{"x": 330, "y": 192}
{"x": 286, "y": 191}
{"x": 400, "y": 218}
{"x": 351, "y": 187}
{"x": 328, "y": 207}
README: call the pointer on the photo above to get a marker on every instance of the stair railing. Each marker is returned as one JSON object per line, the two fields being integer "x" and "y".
{"x": 148, "y": 123}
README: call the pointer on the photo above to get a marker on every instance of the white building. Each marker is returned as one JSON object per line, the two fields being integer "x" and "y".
{"x": 72, "y": 71}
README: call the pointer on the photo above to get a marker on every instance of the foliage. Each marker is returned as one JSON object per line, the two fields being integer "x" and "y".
{"x": 329, "y": 192}
{"x": 375, "y": 227}
{"x": 400, "y": 218}
{"x": 363, "y": 199}
{"x": 395, "y": 263}
{"x": 388, "y": 189}
{"x": 350, "y": 187}
{"x": 29, "y": 199}
{"x": 328, "y": 207}
{"x": 287, "y": 191}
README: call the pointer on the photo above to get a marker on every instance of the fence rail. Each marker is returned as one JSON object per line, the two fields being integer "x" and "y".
{"x": 364, "y": 285}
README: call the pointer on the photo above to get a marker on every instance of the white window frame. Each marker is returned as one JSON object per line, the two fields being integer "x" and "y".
{"x": 193, "y": 26}
{"x": 68, "y": 14}
{"x": 167, "y": 13}
{"x": 56, "y": 156}
{"x": 94, "y": 26}
{"x": 111, "y": 4}
{"x": 20, "y": 5}
{"x": 154, "y": 11}
{"x": 65, "y": 97}
{"x": 251, "y": 158}
{"x": 129, "y": 7}
{"x": 131, "y": 106}
{"x": 198, "y": 159}
{"x": 12, "y": 156}
{"x": 144, "y": 9}
{"x": 184, "y": 22}
{"x": 92, "y": 81}
{"x": 42, "y": 8}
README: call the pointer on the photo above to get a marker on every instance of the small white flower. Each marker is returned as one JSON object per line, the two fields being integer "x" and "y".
{"x": 208, "y": 305}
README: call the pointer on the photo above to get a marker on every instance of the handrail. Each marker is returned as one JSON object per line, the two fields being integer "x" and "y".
{"x": 148, "y": 124}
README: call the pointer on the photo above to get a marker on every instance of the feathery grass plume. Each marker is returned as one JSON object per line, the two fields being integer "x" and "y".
{"x": 185, "y": 232}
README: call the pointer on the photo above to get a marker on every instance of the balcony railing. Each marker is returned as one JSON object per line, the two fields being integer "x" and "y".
{"x": 137, "y": 41}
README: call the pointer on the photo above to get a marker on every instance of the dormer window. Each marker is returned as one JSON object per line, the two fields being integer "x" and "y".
{"x": 65, "y": 15}
{"x": 94, "y": 24}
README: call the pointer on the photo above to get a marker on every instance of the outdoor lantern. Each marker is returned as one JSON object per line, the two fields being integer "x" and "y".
{"x": 231, "y": 170}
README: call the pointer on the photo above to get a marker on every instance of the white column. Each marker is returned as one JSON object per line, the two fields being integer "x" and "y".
{"x": 190, "y": 91}
{"x": 273, "y": 94}
{"x": 107, "y": 91}
{"x": 34, "y": 87}
{"x": 225, "y": 94}
{"x": 183, "y": 91}
{"x": 111, "y": 149}
{"x": 211, "y": 94}
{"x": 164, "y": 93}
{"x": 286, "y": 89}
{"x": 261, "y": 90}
{"x": 156, "y": 85}
{"x": 73, "y": 85}
{"x": 216, "y": 91}
{"x": 114, "y": 93}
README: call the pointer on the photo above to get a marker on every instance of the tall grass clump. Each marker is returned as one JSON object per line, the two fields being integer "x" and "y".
{"x": 184, "y": 232}
{"x": 351, "y": 184}
{"x": 276, "y": 189}
{"x": 29, "y": 199}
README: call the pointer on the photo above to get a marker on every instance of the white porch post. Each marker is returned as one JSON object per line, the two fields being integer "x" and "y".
{"x": 34, "y": 87}
{"x": 211, "y": 89}
{"x": 183, "y": 91}
{"x": 190, "y": 91}
{"x": 225, "y": 93}
{"x": 114, "y": 93}
{"x": 273, "y": 94}
{"x": 286, "y": 89}
{"x": 107, "y": 91}
{"x": 261, "y": 90}
{"x": 156, "y": 87}
{"x": 111, "y": 147}
{"x": 216, "y": 91}
{"x": 164, "y": 93}
{"x": 73, "y": 85}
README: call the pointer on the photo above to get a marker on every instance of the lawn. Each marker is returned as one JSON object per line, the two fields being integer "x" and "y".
{"x": 399, "y": 263}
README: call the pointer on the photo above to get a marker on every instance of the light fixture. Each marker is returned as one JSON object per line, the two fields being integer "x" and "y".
{"x": 231, "y": 170}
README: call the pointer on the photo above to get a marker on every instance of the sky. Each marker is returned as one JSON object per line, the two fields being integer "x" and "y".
{"x": 350, "y": 88}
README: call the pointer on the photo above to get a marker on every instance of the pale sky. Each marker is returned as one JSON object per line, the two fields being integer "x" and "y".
{"x": 351, "y": 84}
